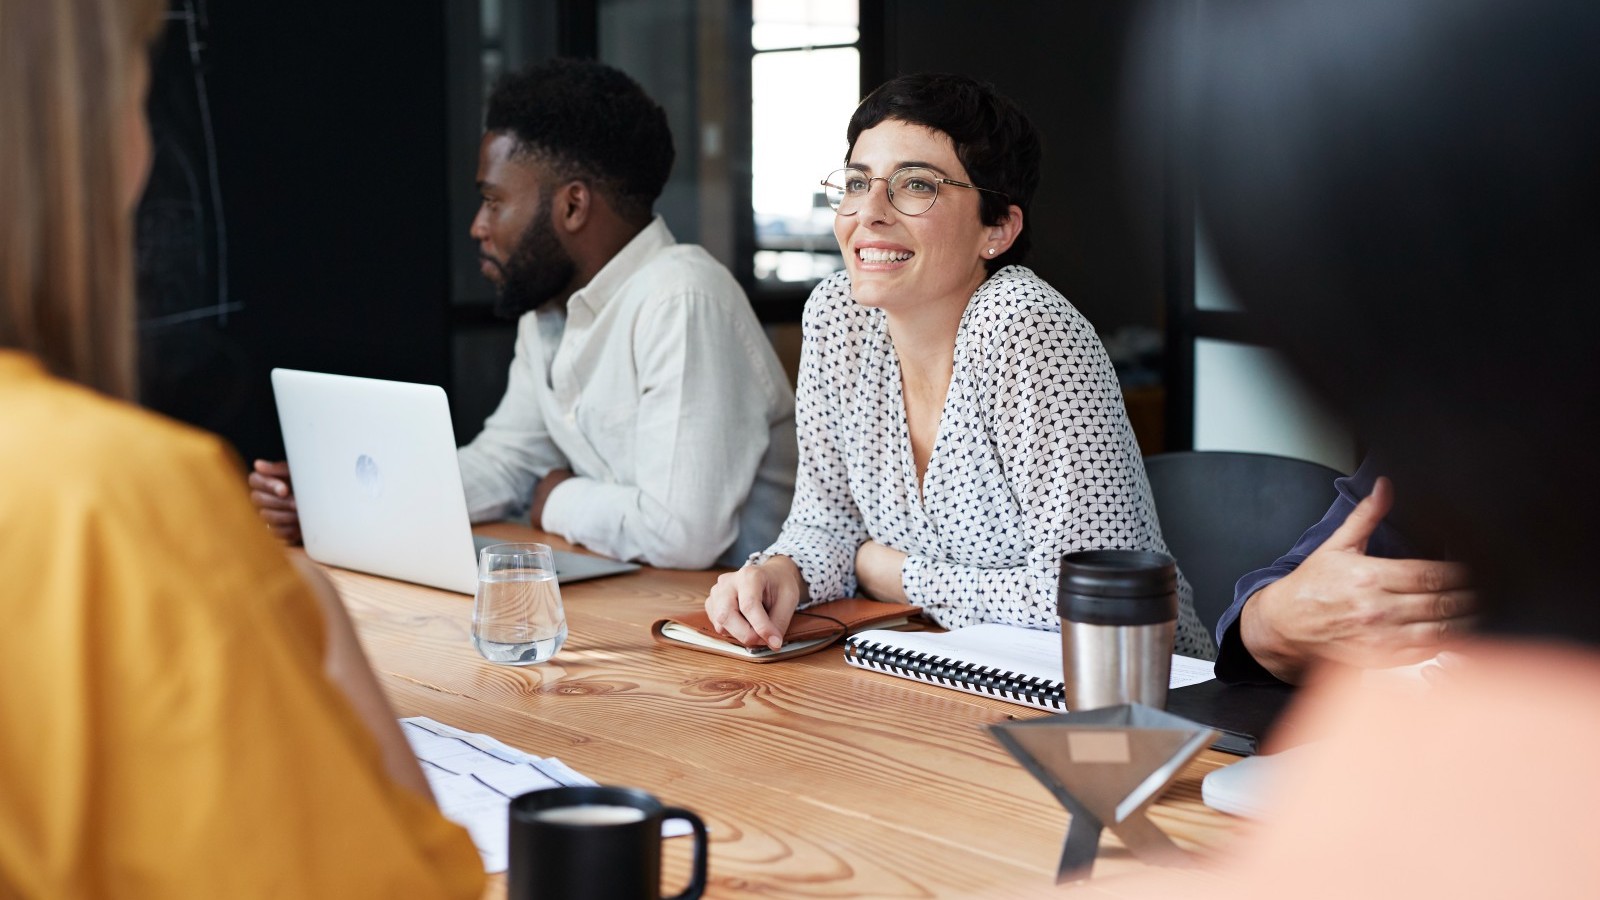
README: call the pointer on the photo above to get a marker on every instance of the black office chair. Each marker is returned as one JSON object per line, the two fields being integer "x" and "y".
{"x": 1225, "y": 513}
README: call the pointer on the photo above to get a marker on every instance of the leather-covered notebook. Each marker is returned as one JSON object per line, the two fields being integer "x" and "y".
{"x": 810, "y": 630}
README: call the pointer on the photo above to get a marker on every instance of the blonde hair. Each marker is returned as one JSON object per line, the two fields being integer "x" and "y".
{"x": 66, "y": 243}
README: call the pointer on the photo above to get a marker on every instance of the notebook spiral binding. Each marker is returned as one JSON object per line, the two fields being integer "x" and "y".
{"x": 954, "y": 673}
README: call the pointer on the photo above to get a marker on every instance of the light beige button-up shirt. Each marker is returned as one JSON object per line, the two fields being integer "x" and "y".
{"x": 660, "y": 391}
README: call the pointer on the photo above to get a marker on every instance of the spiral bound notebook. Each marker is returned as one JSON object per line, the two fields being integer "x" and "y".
{"x": 1018, "y": 665}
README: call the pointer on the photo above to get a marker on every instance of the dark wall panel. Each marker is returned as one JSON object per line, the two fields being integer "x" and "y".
{"x": 1096, "y": 237}
{"x": 330, "y": 147}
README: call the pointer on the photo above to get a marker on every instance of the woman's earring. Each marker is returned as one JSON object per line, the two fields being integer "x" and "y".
{"x": 991, "y": 251}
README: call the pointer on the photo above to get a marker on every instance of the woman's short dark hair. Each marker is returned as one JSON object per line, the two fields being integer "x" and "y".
{"x": 588, "y": 121}
{"x": 993, "y": 138}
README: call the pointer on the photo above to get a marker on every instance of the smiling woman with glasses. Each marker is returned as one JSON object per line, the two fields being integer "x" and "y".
{"x": 960, "y": 426}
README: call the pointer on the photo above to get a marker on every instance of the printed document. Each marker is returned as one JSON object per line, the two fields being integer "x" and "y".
{"x": 474, "y": 777}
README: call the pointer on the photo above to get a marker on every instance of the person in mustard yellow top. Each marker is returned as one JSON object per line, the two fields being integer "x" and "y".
{"x": 182, "y": 712}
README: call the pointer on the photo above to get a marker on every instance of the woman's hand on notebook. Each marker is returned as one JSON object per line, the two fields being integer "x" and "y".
{"x": 754, "y": 604}
{"x": 273, "y": 495}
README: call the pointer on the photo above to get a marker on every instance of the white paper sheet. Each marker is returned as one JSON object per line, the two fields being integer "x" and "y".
{"x": 474, "y": 777}
{"x": 1187, "y": 670}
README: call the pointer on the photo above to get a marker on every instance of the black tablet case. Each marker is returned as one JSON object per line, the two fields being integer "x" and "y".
{"x": 1243, "y": 713}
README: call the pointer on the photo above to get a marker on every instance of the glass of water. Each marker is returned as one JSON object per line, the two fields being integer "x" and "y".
{"x": 517, "y": 618}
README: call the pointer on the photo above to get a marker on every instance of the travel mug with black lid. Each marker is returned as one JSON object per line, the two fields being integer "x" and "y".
{"x": 1119, "y": 617}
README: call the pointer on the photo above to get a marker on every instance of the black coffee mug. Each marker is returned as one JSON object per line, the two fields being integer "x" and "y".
{"x": 594, "y": 843}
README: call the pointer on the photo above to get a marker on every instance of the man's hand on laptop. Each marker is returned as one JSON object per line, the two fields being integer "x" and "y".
{"x": 273, "y": 495}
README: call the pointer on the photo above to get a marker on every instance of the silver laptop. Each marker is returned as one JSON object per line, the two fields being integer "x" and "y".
{"x": 377, "y": 483}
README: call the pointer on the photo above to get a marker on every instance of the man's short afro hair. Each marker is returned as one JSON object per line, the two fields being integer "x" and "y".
{"x": 588, "y": 121}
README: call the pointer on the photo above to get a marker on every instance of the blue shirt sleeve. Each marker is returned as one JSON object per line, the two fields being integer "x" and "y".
{"x": 1234, "y": 662}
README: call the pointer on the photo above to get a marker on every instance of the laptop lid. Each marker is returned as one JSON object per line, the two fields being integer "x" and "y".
{"x": 378, "y": 485}
{"x": 375, "y": 477}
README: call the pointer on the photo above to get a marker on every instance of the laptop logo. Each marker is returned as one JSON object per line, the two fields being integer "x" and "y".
{"x": 368, "y": 476}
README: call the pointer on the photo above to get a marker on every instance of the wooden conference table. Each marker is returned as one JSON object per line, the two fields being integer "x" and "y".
{"x": 816, "y": 779}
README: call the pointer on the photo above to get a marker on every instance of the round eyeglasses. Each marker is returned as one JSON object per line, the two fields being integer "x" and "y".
{"x": 912, "y": 190}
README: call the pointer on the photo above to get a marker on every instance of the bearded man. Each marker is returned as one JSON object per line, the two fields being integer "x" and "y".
{"x": 646, "y": 415}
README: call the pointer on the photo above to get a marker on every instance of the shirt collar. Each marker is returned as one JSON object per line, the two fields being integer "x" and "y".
{"x": 615, "y": 273}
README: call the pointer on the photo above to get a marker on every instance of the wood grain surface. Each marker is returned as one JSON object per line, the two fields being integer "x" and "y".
{"x": 817, "y": 780}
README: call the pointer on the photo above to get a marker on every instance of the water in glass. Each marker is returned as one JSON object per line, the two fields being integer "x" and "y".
{"x": 518, "y": 619}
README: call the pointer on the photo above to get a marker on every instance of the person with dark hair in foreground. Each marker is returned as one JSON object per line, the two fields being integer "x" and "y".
{"x": 183, "y": 714}
{"x": 960, "y": 424}
{"x": 647, "y": 416}
{"x": 1406, "y": 193}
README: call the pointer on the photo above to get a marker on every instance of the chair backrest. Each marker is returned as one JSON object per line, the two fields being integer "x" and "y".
{"x": 1224, "y": 514}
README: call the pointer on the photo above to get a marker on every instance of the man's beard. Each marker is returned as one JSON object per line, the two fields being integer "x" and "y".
{"x": 538, "y": 271}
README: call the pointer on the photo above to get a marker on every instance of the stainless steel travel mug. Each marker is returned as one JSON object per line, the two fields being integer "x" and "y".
{"x": 1119, "y": 616}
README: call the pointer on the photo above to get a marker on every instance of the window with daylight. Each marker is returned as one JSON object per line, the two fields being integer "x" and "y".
{"x": 805, "y": 83}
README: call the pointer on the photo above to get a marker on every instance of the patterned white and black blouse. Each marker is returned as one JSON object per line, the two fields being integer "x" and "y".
{"x": 1034, "y": 459}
